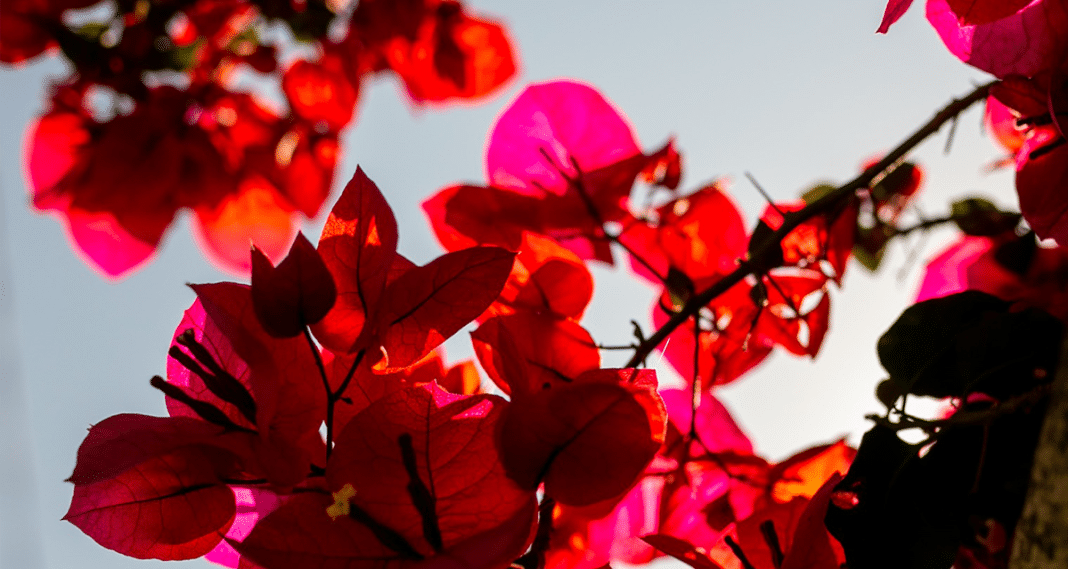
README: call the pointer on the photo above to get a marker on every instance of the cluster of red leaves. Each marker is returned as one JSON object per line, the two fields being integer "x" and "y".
{"x": 409, "y": 474}
{"x": 562, "y": 164}
{"x": 1024, "y": 44}
{"x": 1007, "y": 266}
{"x": 178, "y": 136}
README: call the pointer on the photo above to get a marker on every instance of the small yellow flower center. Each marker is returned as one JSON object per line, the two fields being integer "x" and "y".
{"x": 340, "y": 507}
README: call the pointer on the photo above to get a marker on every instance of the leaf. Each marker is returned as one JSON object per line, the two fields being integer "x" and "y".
{"x": 703, "y": 234}
{"x": 428, "y": 304}
{"x": 438, "y": 480}
{"x": 682, "y": 550}
{"x": 526, "y": 352}
{"x": 803, "y": 474}
{"x": 811, "y": 545}
{"x": 1044, "y": 208}
{"x": 587, "y": 441}
{"x": 123, "y": 441}
{"x": 280, "y": 375}
{"x": 322, "y": 91}
{"x": 1025, "y": 43}
{"x": 970, "y": 341}
{"x": 170, "y": 505}
{"x": 973, "y": 12}
{"x": 574, "y": 125}
{"x": 468, "y": 216}
{"x": 358, "y": 244}
{"x": 546, "y": 277}
{"x": 297, "y": 293}
{"x": 894, "y": 10}
{"x": 980, "y": 217}
{"x": 715, "y": 427}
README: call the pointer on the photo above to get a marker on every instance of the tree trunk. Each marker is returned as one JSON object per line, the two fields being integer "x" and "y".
{"x": 1041, "y": 540}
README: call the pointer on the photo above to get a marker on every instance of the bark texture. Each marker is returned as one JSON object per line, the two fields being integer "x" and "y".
{"x": 1041, "y": 540}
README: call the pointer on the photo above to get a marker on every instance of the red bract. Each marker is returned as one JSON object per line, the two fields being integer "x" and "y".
{"x": 437, "y": 495}
{"x": 387, "y": 307}
{"x": 428, "y": 304}
{"x": 526, "y": 352}
{"x": 737, "y": 333}
{"x": 819, "y": 239}
{"x": 222, "y": 357}
{"x": 1024, "y": 114}
{"x": 152, "y": 487}
{"x": 253, "y": 504}
{"x": 984, "y": 264}
{"x": 588, "y": 440}
{"x": 702, "y": 235}
{"x": 1028, "y": 39}
{"x": 561, "y": 161}
{"x": 894, "y": 10}
{"x": 322, "y": 92}
{"x": 28, "y": 27}
{"x": 437, "y": 49}
{"x": 296, "y": 293}
{"x": 229, "y": 163}
{"x": 546, "y": 277}
{"x": 801, "y": 537}
{"x": 358, "y": 245}
{"x": 1000, "y": 121}
{"x": 973, "y": 12}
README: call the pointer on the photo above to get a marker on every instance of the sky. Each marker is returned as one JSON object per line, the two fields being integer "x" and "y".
{"x": 794, "y": 93}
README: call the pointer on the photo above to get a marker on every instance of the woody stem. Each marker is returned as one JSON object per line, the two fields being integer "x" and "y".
{"x": 761, "y": 255}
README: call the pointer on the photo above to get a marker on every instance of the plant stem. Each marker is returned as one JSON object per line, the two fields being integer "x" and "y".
{"x": 765, "y": 250}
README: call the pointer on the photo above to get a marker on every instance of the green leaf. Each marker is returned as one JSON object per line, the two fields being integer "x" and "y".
{"x": 816, "y": 192}
{"x": 980, "y": 217}
{"x": 968, "y": 342}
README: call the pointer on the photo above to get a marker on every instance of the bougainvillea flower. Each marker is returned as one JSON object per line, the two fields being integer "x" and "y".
{"x": 153, "y": 487}
{"x": 587, "y": 440}
{"x": 436, "y": 47}
{"x": 367, "y": 385}
{"x": 1025, "y": 118}
{"x": 253, "y": 504}
{"x": 697, "y": 496}
{"x": 740, "y": 328}
{"x": 801, "y": 537}
{"x": 1030, "y": 38}
{"x": 27, "y": 26}
{"x": 526, "y": 352}
{"x": 388, "y": 308}
{"x": 546, "y": 277}
{"x": 1000, "y": 121}
{"x": 701, "y": 234}
{"x": 894, "y": 10}
{"x": 322, "y": 92}
{"x": 561, "y": 161}
{"x": 230, "y": 163}
{"x": 1001, "y": 37}
{"x": 1009, "y": 267}
{"x": 437, "y": 497}
{"x": 221, "y": 356}
{"x": 1042, "y": 171}
{"x": 823, "y": 238}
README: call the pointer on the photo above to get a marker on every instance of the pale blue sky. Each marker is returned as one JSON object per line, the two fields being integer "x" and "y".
{"x": 793, "y": 92}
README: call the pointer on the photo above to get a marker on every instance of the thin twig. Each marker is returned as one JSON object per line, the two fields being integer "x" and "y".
{"x": 824, "y": 204}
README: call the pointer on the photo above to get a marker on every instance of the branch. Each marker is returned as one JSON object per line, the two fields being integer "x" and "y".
{"x": 968, "y": 418}
{"x": 824, "y": 204}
